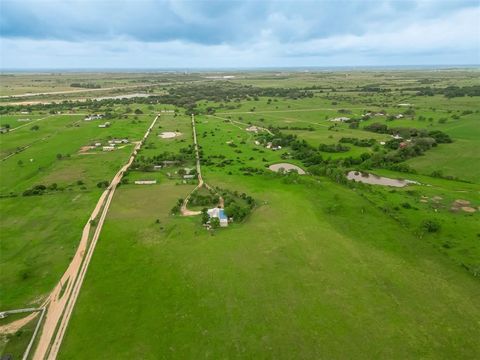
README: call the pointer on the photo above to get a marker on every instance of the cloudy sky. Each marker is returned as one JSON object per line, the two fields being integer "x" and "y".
{"x": 50, "y": 34}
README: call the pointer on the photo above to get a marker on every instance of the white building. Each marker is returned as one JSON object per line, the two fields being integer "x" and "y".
{"x": 145, "y": 182}
{"x": 340, "y": 119}
{"x": 93, "y": 117}
{"x": 220, "y": 214}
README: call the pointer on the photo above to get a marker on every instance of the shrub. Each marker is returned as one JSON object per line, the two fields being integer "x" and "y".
{"x": 431, "y": 226}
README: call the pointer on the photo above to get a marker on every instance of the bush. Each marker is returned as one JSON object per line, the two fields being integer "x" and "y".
{"x": 431, "y": 226}
{"x": 103, "y": 184}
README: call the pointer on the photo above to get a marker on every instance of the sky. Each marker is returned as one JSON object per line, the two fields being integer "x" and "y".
{"x": 172, "y": 34}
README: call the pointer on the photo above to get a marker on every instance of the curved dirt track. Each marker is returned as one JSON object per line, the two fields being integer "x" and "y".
{"x": 62, "y": 299}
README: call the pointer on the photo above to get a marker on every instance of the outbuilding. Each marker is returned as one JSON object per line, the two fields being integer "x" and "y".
{"x": 220, "y": 214}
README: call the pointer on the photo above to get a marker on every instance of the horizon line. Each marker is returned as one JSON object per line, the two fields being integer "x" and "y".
{"x": 235, "y": 68}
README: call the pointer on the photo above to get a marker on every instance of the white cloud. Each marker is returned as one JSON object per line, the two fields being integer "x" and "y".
{"x": 451, "y": 38}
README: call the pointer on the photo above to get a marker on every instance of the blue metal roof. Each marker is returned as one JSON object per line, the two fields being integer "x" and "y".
{"x": 221, "y": 214}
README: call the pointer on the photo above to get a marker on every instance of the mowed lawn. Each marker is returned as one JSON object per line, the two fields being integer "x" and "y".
{"x": 315, "y": 272}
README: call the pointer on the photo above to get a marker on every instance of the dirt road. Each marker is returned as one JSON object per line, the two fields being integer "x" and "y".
{"x": 241, "y": 123}
{"x": 183, "y": 210}
{"x": 61, "y": 301}
{"x": 62, "y": 92}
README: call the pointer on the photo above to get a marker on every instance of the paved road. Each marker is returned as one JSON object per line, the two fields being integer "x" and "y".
{"x": 60, "y": 303}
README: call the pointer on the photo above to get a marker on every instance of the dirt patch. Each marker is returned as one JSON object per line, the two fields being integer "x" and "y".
{"x": 463, "y": 205}
{"x": 170, "y": 135}
{"x": 85, "y": 149}
{"x": 14, "y": 326}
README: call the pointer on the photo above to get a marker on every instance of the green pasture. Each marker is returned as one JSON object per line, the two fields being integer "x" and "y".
{"x": 316, "y": 271}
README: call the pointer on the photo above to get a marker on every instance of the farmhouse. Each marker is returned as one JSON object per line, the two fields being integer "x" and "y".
{"x": 397, "y": 137}
{"x": 118, "y": 141}
{"x": 169, "y": 162}
{"x": 107, "y": 124}
{"x": 340, "y": 119}
{"x": 145, "y": 182}
{"x": 157, "y": 167}
{"x": 252, "y": 128}
{"x": 186, "y": 177}
{"x": 108, "y": 148}
{"x": 93, "y": 117}
{"x": 220, "y": 214}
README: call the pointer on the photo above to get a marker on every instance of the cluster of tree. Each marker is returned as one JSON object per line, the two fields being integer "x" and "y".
{"x": 176, "y": 209}
{"x": 249, "y": 171}
{"x": 439, "y": 174}
{"x": 333, "y": 148}
{"x": 335, "y": 169}
{"x": 185, "y": 96}
{"x": 358, "y": 142}
{"x": 372, "y": 88}
{"x": 439, "y": 136}
{"x": 143, "y": 163}
{"x": 303, "y": 128}
{"x": 85, "y": 85}
{"x": 449, "y": 91}
{"x": 237, "y": 205}
{"x": 197, "y": 199}
{"x": 41, "y": 189}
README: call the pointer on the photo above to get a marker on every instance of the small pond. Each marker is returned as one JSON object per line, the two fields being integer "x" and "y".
{"x": 377, "y": 180}
{"x": 286, "y": 167}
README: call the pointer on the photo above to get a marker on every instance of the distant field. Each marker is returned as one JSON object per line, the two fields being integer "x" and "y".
{"x": 321, "y": 267}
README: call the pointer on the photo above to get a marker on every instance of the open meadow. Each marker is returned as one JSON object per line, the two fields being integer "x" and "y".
{"x": 311, "y": 264}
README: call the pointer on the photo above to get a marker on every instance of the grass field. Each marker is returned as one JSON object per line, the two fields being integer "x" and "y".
{"x": 319, "y": 269}
{"x": 41, "y": 233}
{"x": 340, "y": 281}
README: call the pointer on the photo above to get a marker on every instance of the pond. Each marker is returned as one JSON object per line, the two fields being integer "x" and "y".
{"x": 377, "y": 180}
{"x": 286, "y": 167}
